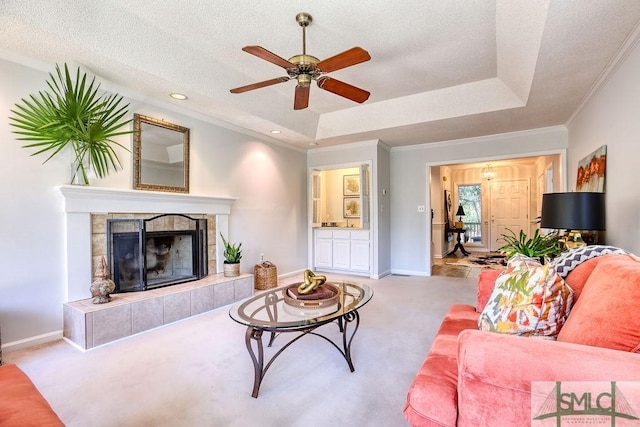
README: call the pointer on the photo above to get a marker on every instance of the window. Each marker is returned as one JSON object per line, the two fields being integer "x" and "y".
{"x": 470, "y": 197}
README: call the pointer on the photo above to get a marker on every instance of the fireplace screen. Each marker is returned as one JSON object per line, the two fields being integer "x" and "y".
{"x": 160, "y": 251}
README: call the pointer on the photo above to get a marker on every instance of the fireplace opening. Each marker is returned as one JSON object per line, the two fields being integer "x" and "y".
{"x": 161, "y": 251}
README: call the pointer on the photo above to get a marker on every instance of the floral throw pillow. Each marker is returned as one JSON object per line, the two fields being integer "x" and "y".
{"x": 529, "y": 299}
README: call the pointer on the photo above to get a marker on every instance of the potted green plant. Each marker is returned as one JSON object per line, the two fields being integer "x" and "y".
{"x": 232, "y": 256}
{"x": 539, "y": 246}
{"x": 73, "y": 113}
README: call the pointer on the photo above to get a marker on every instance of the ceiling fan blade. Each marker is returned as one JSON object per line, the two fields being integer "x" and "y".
{"x": 343, "y": 89}
{"x": 301, "y": 100}
{"x": 258, "y": 85}
{"x": 345, "y": 59}
{"x": 263, "y": 53}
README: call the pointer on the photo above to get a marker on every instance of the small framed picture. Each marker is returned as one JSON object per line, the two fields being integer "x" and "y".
{"x": 351, "y": 207}
{"x": 351, "y": 185}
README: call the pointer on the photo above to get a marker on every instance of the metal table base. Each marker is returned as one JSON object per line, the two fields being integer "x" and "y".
{"x": 255, "y": 334}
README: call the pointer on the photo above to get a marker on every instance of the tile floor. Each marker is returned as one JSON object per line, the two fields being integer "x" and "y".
{"x": 456, "y": 266}
{"x": 446, "y": 267}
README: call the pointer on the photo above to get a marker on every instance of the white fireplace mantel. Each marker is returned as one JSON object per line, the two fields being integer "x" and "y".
{"x": 79, "y": 198}
{"x": 79, "y": 202}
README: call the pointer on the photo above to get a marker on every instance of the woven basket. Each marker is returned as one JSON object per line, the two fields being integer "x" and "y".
{"x": 266, "y": 275}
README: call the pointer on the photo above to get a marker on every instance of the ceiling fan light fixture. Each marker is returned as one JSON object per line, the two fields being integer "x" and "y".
{"x": 304, "y": 80}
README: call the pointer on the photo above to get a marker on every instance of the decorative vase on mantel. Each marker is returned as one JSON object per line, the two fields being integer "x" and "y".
{"x": 231, "y": 269}
{"x": 81, "y": 170}
{"x": 102, "y": 286}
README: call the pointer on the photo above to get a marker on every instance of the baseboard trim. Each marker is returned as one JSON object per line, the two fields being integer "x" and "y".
{"x": 31, "y": 341}
{"x": 291, "y": 274}
{"x": 381, "y": 275}
{"x": 410, "y": 273}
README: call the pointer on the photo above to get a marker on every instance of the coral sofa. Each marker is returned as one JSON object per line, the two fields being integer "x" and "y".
{"x": 477, "y": 378}
{"x": 21, "y": 404}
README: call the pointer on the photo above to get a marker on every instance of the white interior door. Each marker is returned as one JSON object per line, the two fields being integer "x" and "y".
{"x": 509, "y": 209}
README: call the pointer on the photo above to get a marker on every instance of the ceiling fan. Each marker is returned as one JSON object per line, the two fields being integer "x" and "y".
{"x": 305, "y": 68}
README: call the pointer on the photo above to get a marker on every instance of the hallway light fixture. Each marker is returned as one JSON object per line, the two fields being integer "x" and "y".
{"x": 488, "y": 173}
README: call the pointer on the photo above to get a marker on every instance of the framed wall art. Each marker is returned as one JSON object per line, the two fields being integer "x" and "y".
{"x": 351, "y": 207}
{"x": 448, "y": 209}
{"x": 448, "y": 215}
{"x": 351, "y": 185}
{"x": 591, "y": 171}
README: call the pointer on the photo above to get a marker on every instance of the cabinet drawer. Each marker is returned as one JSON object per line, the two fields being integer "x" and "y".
{"x": 324, "y": 234}
{"x": 341, "y": 234}
{"x": 359, "y": 235}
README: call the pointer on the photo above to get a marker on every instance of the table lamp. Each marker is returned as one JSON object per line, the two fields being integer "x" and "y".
{"x": 460, "y": 214}
{"x": 573, "y": 212}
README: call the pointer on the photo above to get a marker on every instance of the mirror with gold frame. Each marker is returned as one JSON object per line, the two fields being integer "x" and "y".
{"x": 160, "y": 155}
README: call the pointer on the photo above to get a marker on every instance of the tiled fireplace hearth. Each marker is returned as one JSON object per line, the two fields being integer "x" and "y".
{"x": 89, "y": 325}
{"x": 86, "y": 212}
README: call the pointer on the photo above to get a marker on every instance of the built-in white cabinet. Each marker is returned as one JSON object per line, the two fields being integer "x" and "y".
{"x": 360, "y": 253}
{"x": 342, "y": 250}
{"x": 323, "y": 250}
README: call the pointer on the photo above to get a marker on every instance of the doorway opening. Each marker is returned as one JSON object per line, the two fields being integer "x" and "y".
{"x": 491, "y": 203}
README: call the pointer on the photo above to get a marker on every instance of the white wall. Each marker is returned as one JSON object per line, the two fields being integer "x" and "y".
{"x": 269, "y": 216}
{"x": 612, "y": 118}
{"x": 410, "y": 247}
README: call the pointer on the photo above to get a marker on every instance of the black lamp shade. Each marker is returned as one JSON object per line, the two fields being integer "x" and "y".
{"x": 573, "y": 211}
{"x": 460, "y": 211}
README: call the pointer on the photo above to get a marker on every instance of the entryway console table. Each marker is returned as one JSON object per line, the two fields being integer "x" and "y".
{"x": 268, "y": 312}
{"x": 458, "y": 232}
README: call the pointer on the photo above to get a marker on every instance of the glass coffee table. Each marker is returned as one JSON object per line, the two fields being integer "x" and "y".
{"x": 269, "y": 312}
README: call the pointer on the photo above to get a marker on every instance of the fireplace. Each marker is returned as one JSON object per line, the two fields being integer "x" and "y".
{"x": 160, "y": 251}
{"x": 87, "y": 209}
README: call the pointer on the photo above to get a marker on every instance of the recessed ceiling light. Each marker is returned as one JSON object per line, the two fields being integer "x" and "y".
{"x": 178, "y": 96}
{"x": 275, "y": 131}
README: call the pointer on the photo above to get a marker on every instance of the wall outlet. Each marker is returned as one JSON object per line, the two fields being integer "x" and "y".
{"x": 421, "y": 208}
{"x": 261, "y": 257}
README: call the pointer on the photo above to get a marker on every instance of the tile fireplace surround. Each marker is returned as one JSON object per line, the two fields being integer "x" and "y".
{"x": 88, "y": 325}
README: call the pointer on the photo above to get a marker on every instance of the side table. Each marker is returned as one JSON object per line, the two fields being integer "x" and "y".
{"x": 458, "y": 232}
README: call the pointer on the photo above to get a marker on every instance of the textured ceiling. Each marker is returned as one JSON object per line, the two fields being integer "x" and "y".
{"x": 440, "y": 70}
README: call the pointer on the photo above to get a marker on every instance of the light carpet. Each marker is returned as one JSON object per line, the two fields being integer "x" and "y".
{"x": 197, "y": 372}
